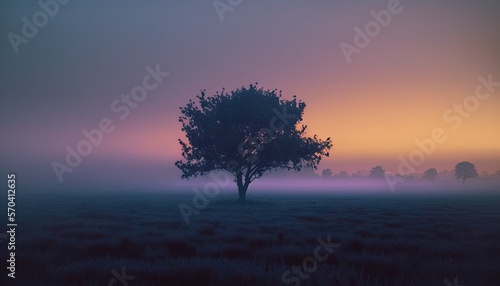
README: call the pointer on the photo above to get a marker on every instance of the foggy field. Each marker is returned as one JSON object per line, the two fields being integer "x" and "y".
{"x": 385, "y": 239}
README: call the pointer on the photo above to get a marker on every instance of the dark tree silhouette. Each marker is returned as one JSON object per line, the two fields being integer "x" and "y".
{"x": 247, "y": 132}
{"x": 465, "y": 170}
{"x": 377, "y": 172}
{"x": 327, "y": 173}
{"x": 430, "y": 174}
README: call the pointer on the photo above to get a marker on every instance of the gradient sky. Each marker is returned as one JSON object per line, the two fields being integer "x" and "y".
{"x": 395, "y": 91}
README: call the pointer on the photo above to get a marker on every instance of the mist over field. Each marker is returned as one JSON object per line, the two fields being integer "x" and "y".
{"x": 375, "y": 239}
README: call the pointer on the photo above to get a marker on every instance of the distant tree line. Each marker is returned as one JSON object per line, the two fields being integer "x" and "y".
{"x": 462, "y": 171}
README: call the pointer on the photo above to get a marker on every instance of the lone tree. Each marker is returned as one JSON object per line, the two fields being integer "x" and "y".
{"x": 430, "y": 174}
{"x": 246, "y": 132}
{"x": 465, "y": 170}
{"x": 377, "y": 172}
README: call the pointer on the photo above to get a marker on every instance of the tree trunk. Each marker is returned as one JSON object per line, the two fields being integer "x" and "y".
{"x": 463, "y": 181}
{"x": 242, "y": 191}
{"x": 242, "y": 187}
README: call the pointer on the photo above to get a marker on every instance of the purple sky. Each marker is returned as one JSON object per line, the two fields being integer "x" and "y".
{"x": 396, "y": 90}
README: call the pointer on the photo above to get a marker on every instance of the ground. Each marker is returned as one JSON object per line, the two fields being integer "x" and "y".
{"x": 388, "y": 239}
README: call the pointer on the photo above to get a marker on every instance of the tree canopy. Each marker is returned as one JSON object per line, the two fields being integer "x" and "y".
{"x": 430, "y": 174}
{"x": 327, "y": 173}
{"x": 465, "y": 170}
{"x": 246, "y": 132}
{"x": 377, "y": 172}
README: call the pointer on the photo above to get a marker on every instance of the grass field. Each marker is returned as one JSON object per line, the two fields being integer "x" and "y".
{"x": 389, "y": 239}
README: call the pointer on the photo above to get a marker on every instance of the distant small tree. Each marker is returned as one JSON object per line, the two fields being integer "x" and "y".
{"x": 430, "y": 174}
{"x": 465, "y": 170}
{"x": 341, "y": 174}
{"x": 497, "y": 174}
{"x": 377, "y": 172}
{"x": 327, "y": 173}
